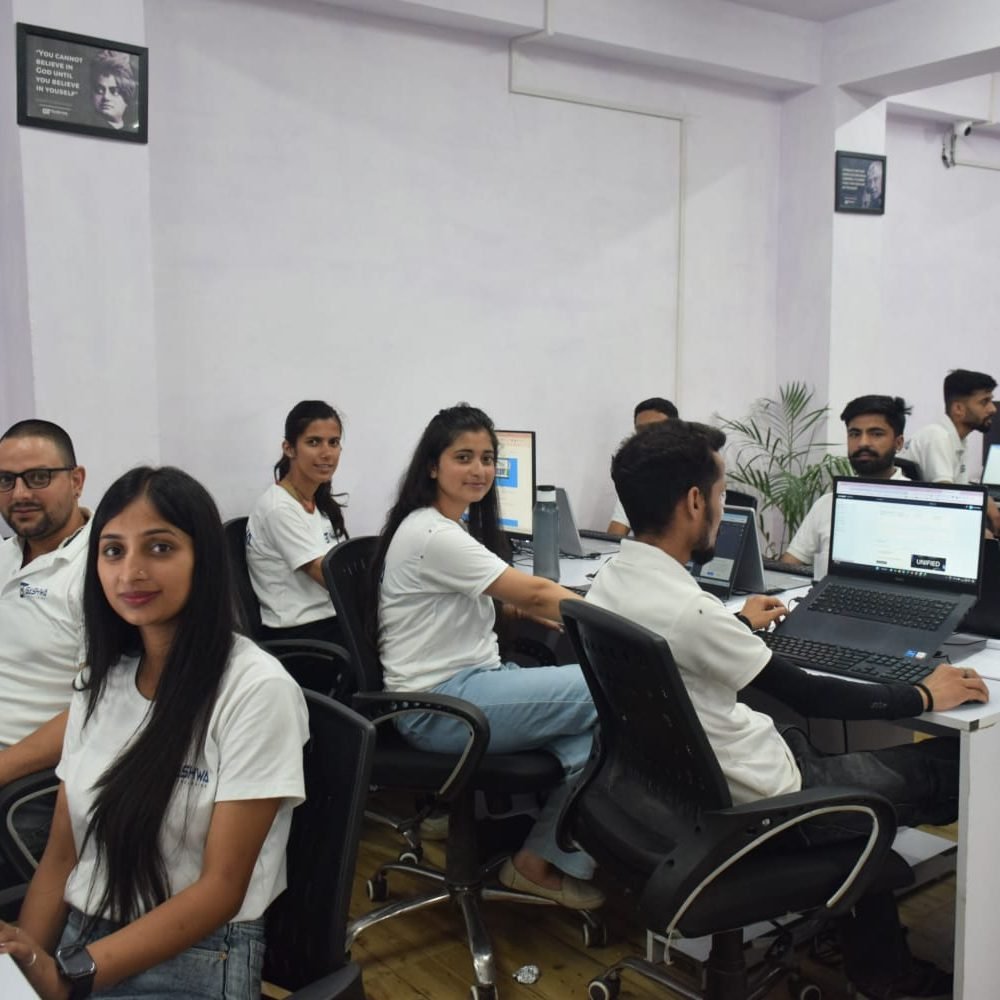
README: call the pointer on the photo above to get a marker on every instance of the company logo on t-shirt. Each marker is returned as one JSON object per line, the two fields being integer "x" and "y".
{"x": 329, "y": 536}
{"x": 28, "y": 590}
{"x": 191, "y": 775}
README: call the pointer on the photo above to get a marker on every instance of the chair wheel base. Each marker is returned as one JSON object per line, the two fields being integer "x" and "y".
{"x": 484, "y": 993}
{"x": 377, "y": 889}
{"x": 604, "y": 988}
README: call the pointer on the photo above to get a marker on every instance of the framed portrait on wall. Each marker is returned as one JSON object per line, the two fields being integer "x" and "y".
{"x": 859, "y": 183}
{"x": 76, "y": 83}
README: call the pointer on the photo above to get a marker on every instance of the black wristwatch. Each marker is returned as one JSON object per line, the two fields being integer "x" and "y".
{"x": 78, "y": 969}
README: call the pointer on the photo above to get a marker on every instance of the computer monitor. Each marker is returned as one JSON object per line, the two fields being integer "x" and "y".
{"x": 516, "y": 481}
{"x": 991, "y": 472}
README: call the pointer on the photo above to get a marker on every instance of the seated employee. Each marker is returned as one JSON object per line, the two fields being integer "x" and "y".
{"x": 648, "y": 413}
{"x": 874, "y": 435}
{"x": 939, "y": 449}
{"x": 671, "y": 480}
{"x": 41, "y": 613}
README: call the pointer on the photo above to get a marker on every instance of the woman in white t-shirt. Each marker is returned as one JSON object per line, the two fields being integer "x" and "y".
{"x": 438, "y": 578}
{"x": 181, "y": 766}
{"x": 294, "y": 524}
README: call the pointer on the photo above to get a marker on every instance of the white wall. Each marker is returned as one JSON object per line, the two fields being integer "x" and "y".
{"x": 941, "y": 303}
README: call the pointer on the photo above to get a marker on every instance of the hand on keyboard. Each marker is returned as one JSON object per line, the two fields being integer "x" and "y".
{"x": 951, "y": 686}
{"x": 761, "y": 611}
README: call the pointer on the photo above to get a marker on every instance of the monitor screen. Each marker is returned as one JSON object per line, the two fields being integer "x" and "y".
{"x": 991, "y": 474}
{"x": 516, "y": 481}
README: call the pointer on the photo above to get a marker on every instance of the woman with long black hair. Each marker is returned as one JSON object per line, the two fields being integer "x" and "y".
{"x": 439, "y": 565}
{"x": 294, "y": 524}
{"x": 181, "y": 765}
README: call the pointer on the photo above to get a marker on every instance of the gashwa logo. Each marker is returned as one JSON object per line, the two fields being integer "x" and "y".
{"x": 27, "y": 590}
{"x": 191, "y": 775}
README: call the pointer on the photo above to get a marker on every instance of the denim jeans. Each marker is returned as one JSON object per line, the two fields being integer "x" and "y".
{"x": 529, "y": 708}
{"x": 226, "y": 965}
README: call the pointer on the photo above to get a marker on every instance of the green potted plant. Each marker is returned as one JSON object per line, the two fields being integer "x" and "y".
{"x": 773, "y": 452}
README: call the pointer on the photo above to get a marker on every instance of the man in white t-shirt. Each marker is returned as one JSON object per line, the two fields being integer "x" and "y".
{"x": 648, "y": 413}
{"x": 939, "y": 449}
{"x": 671, "y": 480}
{"x": 41, "y": 595}
{"x": 875, "y": 426}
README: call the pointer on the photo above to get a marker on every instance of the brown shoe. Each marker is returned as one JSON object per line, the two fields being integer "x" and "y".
{"x": 574, "y": 894}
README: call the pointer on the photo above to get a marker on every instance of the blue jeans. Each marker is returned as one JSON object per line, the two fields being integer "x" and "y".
{"x": 529, "y": 708}
{"x": 226, "y": 965}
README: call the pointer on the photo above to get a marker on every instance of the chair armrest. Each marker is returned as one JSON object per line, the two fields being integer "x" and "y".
{"x": 344, "y": 984}
{"x": 727, "y": 835}
{"x": 11, "y": 794}
{"x": 285, "y": 650}
{"x": 383, "y": 706}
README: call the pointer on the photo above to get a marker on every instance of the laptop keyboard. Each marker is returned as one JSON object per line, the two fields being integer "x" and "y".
{"x": 860, "y": 663}
{"x": 795, "y": 569}
{"x": 884, "y": 606}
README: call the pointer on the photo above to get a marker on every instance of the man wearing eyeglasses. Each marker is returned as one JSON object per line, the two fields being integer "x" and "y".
{"x": 41, "y": 594}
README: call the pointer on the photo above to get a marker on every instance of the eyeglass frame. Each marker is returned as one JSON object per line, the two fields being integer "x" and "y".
{"x": 27, "y": 472}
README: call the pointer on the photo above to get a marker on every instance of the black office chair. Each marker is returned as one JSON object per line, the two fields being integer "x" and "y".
{"x": 316, "y": 664}
{"x": 909, "y": 468}
{"x": 737, "y": 498}
{"x": 452, "y": 780}
{"x": 18, "y": 859}
{"x": 653, "y": 808}
{"x": 307, "y": 924}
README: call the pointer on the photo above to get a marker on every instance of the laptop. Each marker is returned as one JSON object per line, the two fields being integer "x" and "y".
{"x": 991, "y": 472}
{"x": 570, "y": 543}
{"x": 737, "y": 567}
{"x": 904, "y": 570}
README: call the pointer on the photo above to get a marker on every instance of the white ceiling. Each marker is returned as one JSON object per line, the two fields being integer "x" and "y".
{"x": 813, "y": 10}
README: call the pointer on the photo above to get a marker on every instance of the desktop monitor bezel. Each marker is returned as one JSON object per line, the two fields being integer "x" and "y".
{"x": 519, "y": 532}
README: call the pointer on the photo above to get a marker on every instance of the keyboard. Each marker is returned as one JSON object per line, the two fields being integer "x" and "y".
{"x": 796, "y": 569}
{"x": 860, "y": 663}
{"x": 884, "y": 606}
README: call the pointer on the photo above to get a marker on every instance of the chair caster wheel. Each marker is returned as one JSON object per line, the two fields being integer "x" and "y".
{"x": 484, "y": 993}
{"x": 378, "y": 889}
{"x": 594, "y": 935}
{"x": 411, "y": 856}
{"x": 606, "y": 988}
{"x": 801, "y": 989}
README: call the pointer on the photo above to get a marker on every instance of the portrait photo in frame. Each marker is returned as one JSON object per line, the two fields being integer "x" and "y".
{"x": 76, "y": 83}
{"x": 859, "y": 183}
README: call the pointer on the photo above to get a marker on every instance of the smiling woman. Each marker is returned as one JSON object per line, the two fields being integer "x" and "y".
{"x": 294, "y": 524}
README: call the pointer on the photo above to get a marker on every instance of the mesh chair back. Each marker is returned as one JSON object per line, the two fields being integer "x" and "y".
{"x": 345, "y": 569}
{"x": 909, "y": 468}
{"x": 650, "y": 733}
{"x": 307, "y": 924}
{"x": 248, "y": 608}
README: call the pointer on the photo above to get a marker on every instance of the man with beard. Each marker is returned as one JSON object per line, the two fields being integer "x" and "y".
{"x": 41, "y": 593}
{"x": 875, "y": 427}
{"x": 671, "y": 480}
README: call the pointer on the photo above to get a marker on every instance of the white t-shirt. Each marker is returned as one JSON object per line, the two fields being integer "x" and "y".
{"x": 717, "y": 656}
{"x": 281, "y": 537}
{"x": 435, "y": 618}
{"x": 939, "y": 452}
{"x": 253, "y": 750}
{"x": 41, "y": 633}
{"x": 618, "y": 514}
{"x": 811, "y": 543}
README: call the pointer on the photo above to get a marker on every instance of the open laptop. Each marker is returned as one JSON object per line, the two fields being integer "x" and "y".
{"x": 570, "y": 543}
{"x": 905, "y": 566}
{"x": 991, "y": 472}
{"x": 737, "y": 567}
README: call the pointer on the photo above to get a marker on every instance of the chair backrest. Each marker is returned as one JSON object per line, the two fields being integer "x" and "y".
{"x": 248, "y": 609}
{"x": 650, "y": 735}
{"x": 909, "y": 468}
{"x": 345, "y": 570}
{"x": 307, "y": 924}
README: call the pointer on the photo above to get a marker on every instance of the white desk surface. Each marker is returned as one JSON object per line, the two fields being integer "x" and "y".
{"x": 13, "y": 985}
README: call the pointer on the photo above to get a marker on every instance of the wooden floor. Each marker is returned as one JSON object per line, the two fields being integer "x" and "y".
{"x": 423, "y": 955}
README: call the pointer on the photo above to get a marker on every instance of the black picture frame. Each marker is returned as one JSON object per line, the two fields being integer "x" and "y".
{"x": 859, "y": 183}
{"x": 60, "y": 81}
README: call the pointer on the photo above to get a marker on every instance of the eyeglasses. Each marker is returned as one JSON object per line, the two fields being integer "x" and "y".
{"x": 34, "y": 479}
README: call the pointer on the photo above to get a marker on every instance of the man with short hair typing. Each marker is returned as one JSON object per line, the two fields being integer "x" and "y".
{"x": 41, "y": 594}
{"x": 671, "y": 480}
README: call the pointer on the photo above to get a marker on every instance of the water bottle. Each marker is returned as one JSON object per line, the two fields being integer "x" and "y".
{"x": 545, "y": 534}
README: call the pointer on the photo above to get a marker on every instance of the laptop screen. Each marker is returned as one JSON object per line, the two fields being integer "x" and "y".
{"x": 991, "y": 472}
{"x": 719, "y": 572}
{"x": 919, "y": 533}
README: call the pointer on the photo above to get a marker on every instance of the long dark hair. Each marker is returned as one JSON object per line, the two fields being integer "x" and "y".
{"x": 133, "y": 793}
{"x": 299, "y": 418}
{"x": 418, "y": 489}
